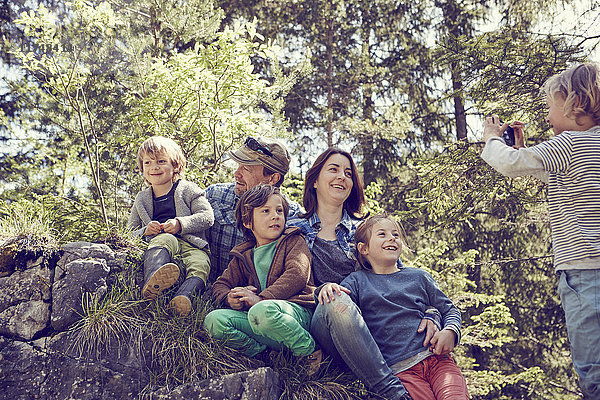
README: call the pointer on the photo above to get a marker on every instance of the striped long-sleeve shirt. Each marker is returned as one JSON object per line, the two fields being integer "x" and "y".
{"x": 570, "y": 164}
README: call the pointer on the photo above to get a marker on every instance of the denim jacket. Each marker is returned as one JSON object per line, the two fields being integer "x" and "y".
{"x": 344, "y": 231}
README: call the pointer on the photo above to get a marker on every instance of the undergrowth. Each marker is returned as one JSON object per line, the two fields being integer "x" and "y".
{"x": 28, "y": 225}
{"x": 177, "y": 350}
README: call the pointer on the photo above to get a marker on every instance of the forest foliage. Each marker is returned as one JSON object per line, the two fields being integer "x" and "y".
{"x": 402, "y": 85}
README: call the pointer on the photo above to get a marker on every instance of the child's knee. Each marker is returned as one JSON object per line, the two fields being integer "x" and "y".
{"x": 164, "y": 240}
{"x": 342, "y": 309}
{"x": 262, "y": 315}
{"x": 215, "y": 324}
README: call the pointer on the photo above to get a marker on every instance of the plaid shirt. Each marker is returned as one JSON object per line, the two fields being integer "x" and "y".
{"x": 224, "y": 234}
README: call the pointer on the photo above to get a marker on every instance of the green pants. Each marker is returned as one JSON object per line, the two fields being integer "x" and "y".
{"x": 269, "y": 323}
{"x": 195, "y": 260}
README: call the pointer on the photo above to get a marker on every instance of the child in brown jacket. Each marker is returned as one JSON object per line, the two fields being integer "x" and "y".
{"x": 267, "y": 287}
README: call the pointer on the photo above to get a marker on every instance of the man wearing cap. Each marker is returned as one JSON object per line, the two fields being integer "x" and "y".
{"x": 260, "y": 160}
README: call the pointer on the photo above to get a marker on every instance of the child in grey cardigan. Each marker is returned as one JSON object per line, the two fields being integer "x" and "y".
{"x": 173, "y": 215}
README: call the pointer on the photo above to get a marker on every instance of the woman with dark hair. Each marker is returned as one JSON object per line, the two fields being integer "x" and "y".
{"x": 334, "y": 199}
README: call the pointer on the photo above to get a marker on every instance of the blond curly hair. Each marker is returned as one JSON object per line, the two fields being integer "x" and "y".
{"x": 579, "y": 87}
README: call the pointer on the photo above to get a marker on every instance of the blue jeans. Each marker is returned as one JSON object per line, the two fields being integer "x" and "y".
{"x": 342, "y": 333}
{"x": 580, "y": 296}
{"x": 269, "y": 323}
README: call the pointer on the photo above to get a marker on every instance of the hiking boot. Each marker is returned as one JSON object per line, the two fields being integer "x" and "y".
{"x": 181, "y": 304}
{"x": 159, "y": 272}
{"x": 314, "y": 360}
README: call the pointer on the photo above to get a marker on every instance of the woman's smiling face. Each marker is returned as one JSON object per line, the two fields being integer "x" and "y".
{"x": 334, "y": 183}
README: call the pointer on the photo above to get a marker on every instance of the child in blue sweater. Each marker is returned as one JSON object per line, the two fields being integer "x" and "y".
{"x": 393, "y": 301}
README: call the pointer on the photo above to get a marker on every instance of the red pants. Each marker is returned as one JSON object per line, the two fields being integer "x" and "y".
{"x": 436, "y": 377}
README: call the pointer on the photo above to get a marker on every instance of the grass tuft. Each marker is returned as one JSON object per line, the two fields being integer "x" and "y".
{"x": 330, "y": 383}
{"x": 109, "y": 322}
{"x": 27, "y": 225}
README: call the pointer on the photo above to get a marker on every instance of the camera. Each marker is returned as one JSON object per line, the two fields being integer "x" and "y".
{"x": 509, "y": 136}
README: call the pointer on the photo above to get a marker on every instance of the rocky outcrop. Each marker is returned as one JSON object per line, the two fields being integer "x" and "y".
{"x": 259, "y": 384}
{"x": 41, "y": 357}
{"x": 25, "y": 297}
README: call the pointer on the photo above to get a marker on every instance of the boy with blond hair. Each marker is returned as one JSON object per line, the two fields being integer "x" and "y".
{"x": 172, "y": 214}
{"x": 570, "y": 164}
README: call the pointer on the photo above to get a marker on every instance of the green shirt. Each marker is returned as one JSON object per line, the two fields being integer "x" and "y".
{"x": 263, "y": 258}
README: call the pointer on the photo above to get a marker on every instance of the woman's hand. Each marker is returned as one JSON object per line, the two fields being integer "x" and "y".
{"x": 326, "y": 294}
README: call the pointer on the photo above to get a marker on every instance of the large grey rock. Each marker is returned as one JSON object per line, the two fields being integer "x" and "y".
{"x": 260, "y": 384}
{"x": 23, "y": 286}
{"x": 25, "y": 301}
{"x": 127, "y": 357}
{"x": 21, "y": 370}
{"x": 71, "y": 282}
{"x": 82, "y": 250}
{"x": 37, "y": 372}
{"x": 25, "y": 320}
{"x": 49, "y": 368}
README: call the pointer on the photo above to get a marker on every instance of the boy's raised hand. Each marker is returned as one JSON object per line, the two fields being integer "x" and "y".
{"x": 443, "y": 342}
{"x": 519, "y": 137}
{"x": 492, "y": 127}
{"x": 172, "y": 226}
{"x": 153, "y": 228}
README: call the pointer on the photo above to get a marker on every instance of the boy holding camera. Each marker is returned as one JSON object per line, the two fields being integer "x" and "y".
{"x": 570, "y": 164}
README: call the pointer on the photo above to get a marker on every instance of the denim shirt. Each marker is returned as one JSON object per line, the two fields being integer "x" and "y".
{"x": 344, "y": 231}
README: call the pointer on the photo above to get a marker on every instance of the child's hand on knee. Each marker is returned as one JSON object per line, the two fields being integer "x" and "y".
{"x": 247, "y": 295}
{"x": 234, "y": 298}
{"x": 153, "y": 228}
{"x": 327, "y": 292}
{"x": 250, "y": 299}
{"x": 241, "y": 298}
{"x": 443, "y": 342}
